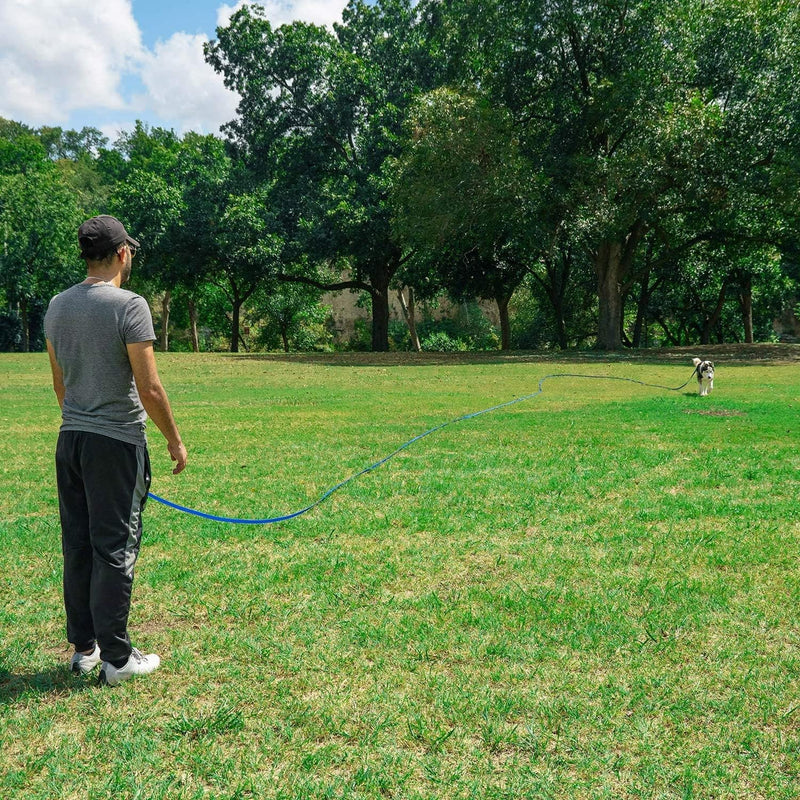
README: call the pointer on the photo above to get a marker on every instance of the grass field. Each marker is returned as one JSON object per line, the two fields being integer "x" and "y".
{"x": 594, "y": 593}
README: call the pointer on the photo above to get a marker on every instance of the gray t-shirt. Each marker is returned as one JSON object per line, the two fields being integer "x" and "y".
{"x": 89, "y": 326}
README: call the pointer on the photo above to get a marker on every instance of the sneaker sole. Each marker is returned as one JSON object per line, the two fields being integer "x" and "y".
{"x": 102, "y": 678}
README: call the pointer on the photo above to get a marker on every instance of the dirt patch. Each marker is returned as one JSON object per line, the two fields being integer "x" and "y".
{"x": 784, "y": 354}
{"x": 742, "y": 354}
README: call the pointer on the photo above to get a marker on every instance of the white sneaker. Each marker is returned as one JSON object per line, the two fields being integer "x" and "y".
{"x": 137, "y": 664}
{"x": 82, "y": 664}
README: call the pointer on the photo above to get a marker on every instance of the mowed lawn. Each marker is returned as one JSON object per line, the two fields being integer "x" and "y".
{"x": 594, "y": 593}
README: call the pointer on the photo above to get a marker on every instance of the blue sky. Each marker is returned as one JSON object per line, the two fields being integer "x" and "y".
{"x": 107, "y": 63}
{"x": 159, "y": 19}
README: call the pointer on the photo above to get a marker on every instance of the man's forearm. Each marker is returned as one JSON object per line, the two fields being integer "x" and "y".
{"x": 156, "y": 404}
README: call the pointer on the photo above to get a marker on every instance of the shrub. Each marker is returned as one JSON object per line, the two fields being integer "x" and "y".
{"x": 10, "y": 332}
{"x": 442, "y": 342}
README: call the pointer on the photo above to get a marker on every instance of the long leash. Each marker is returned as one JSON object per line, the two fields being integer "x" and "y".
{"x": 284, "y": 517}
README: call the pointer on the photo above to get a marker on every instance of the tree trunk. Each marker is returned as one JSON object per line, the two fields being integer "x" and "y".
{"x": 559, "y": 317}
{"x": 235, "y": 316}
{"x": 711, "y": 321}
{"x": 505, "y": 325}
{"x": 641, "y": 309}
{"x": 193, "y": 326}
{"x": 408, "y": 313}
{"x": 613, "y": 261}
{"x": 746, "y": 299}
{"x": 380, "y": 315}
{"x": 25, "y": 320}
{"x": 561, "y": 281}
{"x": 166, "y": 300}
{"x": 555, "y": 288}
{"x": 608, "y": 266}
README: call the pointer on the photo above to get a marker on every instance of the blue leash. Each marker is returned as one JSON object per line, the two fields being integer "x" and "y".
{"x": 285, "y": 517}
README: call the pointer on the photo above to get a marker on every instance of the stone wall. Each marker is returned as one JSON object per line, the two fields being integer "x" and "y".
{"x": 345, "y": 311}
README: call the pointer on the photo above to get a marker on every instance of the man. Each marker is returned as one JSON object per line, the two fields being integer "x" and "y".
{"x": 100, "y": 340}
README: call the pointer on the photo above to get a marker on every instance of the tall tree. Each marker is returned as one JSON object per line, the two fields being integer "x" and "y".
{"x": 203, "y": 171}
{"x": 467, "y": 202}
{"x": 598, "y": 92}
{"x": 39, "y": 218}
{"x": 149, "y": 201}
{"x": 249, "y": 252}
{"x": 320, "y": 114}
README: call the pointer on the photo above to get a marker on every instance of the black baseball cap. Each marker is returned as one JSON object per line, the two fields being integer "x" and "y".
{"x": 101, "y": 235}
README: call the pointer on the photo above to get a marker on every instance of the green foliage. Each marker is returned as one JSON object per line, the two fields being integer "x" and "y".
{"x": 39, "y": 218}
{"x": 459, "y": 182}
{"x": 442, "y": 342}
{"x": 466, "y": 201}
{"x": 321, "y": 120}
{"x": 533, "y": 326}
{"x": 463, "y": 328}
{"x": 291, "y": 319}
{"x": 361, "y": 340}
{"x": 632, "y": 113}
{"x": 22, "y": 154}
{"x": 635, "y": 160}
{"x": 71, "y": 145}
{"x": 10, "y": 332}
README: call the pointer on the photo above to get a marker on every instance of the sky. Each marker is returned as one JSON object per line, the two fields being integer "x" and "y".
{"x": 107, "y": 63}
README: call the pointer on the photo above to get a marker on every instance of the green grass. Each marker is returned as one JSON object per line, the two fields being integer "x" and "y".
{"x": 591, "y": 594}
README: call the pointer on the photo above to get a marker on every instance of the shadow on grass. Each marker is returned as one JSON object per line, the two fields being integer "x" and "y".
{"x": 727, "y": 353}
{"x": 57, "y": 681}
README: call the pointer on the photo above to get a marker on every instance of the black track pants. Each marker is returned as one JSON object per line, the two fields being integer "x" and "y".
{"x": 102, "y": 489}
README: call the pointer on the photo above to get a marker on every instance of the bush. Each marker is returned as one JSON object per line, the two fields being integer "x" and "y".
{"x": 530, "y": 328}
{"x": 442, "y": 342}
{"x": 361, "y": 340}
{"x": 10, "y": 332}
{"x": 467, "y": 329}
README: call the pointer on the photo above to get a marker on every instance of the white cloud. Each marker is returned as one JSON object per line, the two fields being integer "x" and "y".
{"x": 281, "y": 12}
{"x": 82, "y": 62}
{"x": 181, "y": 85}
{"x": 57, "y": 56}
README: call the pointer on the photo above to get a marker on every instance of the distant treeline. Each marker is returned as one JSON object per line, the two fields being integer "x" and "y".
{"x": 622, "y": 173}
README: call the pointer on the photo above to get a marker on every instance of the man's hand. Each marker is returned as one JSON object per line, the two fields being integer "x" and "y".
{"x": 178, "y": 454}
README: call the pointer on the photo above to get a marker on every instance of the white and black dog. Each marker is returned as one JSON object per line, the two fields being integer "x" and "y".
{"x": 705, "y": 376}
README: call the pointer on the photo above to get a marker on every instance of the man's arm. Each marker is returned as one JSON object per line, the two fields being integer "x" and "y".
{"x": 58, "y": 375}
{"x": 154, "y": 399}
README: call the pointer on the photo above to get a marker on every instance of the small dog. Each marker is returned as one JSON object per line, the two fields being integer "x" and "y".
{"x": 705, "y": 376}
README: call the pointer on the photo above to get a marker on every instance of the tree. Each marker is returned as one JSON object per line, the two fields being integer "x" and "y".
{"x": 39, "y": 219}
{"x": 319, "y": 117}
{"x": 152, "y": 206}
{"x": 291, "y": 317}
{"x": 466, "y": 201}
{"x": 204, "y": 172}
{"x": 249, "y": 252}
{"x": 599, "y": 93}
{"x": 149, "y": 201}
